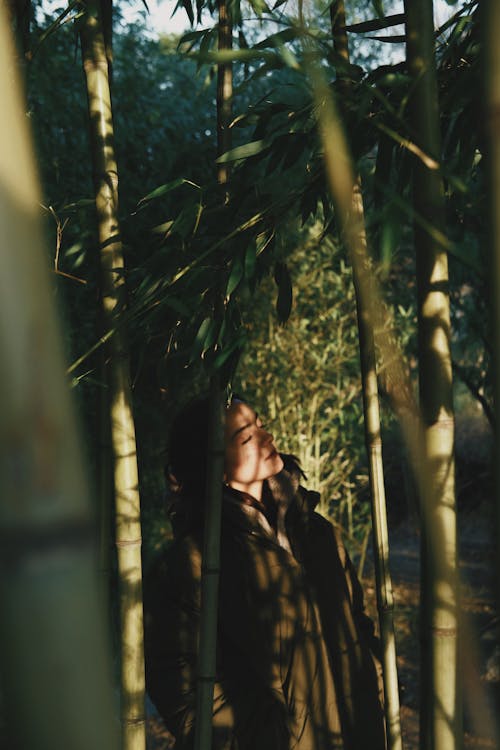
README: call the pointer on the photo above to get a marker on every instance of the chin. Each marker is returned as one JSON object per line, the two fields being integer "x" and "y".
{"x": 278, "y": 465}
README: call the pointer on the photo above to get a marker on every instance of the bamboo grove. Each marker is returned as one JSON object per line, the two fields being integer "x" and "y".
{"x": 312, "y": 143}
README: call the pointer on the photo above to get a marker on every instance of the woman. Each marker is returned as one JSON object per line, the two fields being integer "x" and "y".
{"x": 294, "y": 667}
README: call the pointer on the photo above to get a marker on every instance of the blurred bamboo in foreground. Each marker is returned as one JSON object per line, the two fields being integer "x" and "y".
{"x": 373, "y": 438}
{"x": 215, "y": 448}
{"x": 440, "y": 711}
{"x": 54, "y": 654}
{"x": 127, "y": 504}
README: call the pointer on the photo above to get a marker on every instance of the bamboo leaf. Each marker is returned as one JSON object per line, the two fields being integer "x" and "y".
{"x": 262, "y": 242}
{"x": 203, "y": 334}
{"x": 289, "y": 58}
{"x": 235, "y": 276}
{"x": 56, "y": 24}
{"x": 229, "y": 350}
{"x": 278, "y": 39}
{"x": 186, "y": 4}
{"x": 260, "y": 7}
{"x": 205, "y": 44}
{"x": 396, "y": 39}
{"x": 167, "y": 188}
{"x": 243, "y": 152}
{"x": 206, "y": 55}
{"x": 377, "y": 23}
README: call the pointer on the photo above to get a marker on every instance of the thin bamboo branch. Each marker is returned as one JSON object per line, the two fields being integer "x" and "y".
{"x": 215, "y": 447}
{"x": 56, "y": 666}
{"x": 127, "y": 503}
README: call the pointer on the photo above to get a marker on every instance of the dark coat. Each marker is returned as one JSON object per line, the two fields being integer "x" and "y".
{"x": 294, "y": 668}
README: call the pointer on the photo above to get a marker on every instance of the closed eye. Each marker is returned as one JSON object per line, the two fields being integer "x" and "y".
{"x": 247, "y": 440}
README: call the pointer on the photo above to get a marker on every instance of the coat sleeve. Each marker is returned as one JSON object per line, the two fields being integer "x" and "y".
{"x": 171, "y": 618}
{"x": 363, "y": 621}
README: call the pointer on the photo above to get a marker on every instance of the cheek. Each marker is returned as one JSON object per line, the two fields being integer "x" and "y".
{"x": 242, "y": 464}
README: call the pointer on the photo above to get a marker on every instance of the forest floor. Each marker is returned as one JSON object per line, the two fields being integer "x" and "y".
{"x": 480, "y": 652}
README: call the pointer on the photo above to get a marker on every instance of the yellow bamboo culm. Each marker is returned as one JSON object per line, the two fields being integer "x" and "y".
{"x": 441, "y": 723}
{"x": 127, "y": 502}
{"x": 56, "y": 666}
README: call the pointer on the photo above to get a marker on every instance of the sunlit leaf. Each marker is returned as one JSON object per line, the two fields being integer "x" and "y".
{"x": 243, "y": 152}
{"x": 163, "y": 189}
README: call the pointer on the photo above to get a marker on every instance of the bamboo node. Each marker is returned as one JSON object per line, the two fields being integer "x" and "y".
{"x": 134, "y": 720}
{"x": 445, "y": 632}
{"x": 210, "y": 569}
{"x": 129, "y": 542}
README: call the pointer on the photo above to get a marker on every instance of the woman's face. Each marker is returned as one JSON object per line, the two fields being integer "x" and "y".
{"x": 250, "y": 454}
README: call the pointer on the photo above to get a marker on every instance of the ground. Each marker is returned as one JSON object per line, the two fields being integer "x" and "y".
{"x": 480, "y": 665}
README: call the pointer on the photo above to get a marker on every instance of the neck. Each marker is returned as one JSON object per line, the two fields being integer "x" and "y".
{"x": 254, "y": 488}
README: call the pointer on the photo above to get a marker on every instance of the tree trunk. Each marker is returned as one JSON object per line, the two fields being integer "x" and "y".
{"x": 440, "y": 701}
{"x": 54, "y": 653}
{"x": 127, "y": 505}
{"x": 385, "y": 600}
{"x": 215, "y": 447}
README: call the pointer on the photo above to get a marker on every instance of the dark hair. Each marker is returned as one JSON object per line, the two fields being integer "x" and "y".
{"x": 187, "y": 448}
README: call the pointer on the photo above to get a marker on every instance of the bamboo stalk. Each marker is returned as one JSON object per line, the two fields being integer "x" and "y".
{"x": 127, "y": 504}
{"x": 385, "y": 599}
{"x": 492, "y": 76}
{"x": 215, "y": 447}
{"x": 210, "y": 573}
{"x": 54, "y": 652}
{"x": 440, "y": 704}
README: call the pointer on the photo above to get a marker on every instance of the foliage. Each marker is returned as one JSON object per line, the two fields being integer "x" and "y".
{"x": 304, "y": 376}
{"x": 182, "y": 231}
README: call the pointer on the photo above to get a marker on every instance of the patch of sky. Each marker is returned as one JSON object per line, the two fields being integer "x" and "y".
{"x": 165, "y": 17}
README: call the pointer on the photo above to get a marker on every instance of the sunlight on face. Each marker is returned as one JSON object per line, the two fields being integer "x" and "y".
{"x": 250, "y": 453}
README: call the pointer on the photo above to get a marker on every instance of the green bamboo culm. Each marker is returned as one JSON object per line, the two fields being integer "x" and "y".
{"x": 361, "y": 272}
{"x": 54, "y": 652}
{"x": 440, "y": 721}
{"x": 491, "y": 27}
{"x": 127, "y": 504}
{"x": 215, "y": 447}
{"x": 210, "y": 573}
